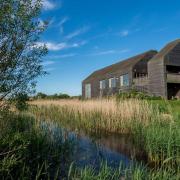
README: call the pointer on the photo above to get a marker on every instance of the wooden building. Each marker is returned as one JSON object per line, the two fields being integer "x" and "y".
{"x": 155, "y": 73}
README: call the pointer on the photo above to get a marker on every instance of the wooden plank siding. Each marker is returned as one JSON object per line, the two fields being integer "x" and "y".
{"x": 156, "y": 75}
{"x": 136, "y": 64}
{"x": 147, "y": 72}
{"x": 169, "y": 55}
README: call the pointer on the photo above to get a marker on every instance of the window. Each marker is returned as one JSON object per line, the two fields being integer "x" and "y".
{"x": 88, "y": 91}
{"x": 103, "y": 84}
{"x": 124, "y": 80}
{"x": 112, "y": 82}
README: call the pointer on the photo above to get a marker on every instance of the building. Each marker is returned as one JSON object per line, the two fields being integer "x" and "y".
{"x": 156, "y": 73}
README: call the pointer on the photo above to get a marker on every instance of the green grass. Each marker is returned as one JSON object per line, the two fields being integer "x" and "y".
{"x": 135, "y": 172}
{"x": 26, "y": 151}
{"x": 155, "y": 129}
{"x": 30, "y": 150}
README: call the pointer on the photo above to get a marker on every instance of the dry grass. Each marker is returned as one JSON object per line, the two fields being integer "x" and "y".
{"x": 106, "y": 114}
{"x": 151, "y": 125}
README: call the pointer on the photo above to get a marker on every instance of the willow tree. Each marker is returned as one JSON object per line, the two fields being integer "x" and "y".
{"x": 20, "y": 52}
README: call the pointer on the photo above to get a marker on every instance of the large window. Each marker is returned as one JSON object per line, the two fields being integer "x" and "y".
{"x": 124, "y": 80}
{"x": 88, "y": 91}
{"x": 103, "y": 84}
{"x": 112, "y": 82}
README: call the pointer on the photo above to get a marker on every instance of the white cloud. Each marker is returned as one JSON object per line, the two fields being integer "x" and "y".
{"x": 52, "y": 46}
{"x": 78, "y": 32}
{"x": 61, "y": 24}
{"x": 110, "y": 52}
{"x": 124, "y": 33}
{"x": 60, "y": 46}
{"x": 41, "y": 23}
{"x": 79, "y": 44}
{"x": 56, "y": 47}
{"x": 49, "y": 69}
{"x": 48, "y": 5}
{"x": 105, "y": 52}
{"x": 47, "y": 63}
{"x": 62, "y": 56}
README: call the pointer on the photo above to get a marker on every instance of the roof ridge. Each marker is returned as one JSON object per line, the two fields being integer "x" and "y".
{"x": 168, "y": 47}
{"x": 131, "y": 61}
{"x": 129, "y": 58}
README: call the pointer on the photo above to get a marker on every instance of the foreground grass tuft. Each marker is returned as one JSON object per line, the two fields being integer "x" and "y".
{"x": 26, "y": 151}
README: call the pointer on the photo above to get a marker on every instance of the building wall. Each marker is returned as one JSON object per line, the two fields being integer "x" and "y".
{"x": 95, "y": 83}
{"x": 140, "y": 67}
{"x": 156, "y": 75}
{"x": 157, "y": 71}
{"x": 155, "y": 68}
{"x": 173, "y": 57}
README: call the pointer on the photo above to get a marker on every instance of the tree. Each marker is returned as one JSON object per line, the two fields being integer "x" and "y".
{"x": 20, "y": 53}
{"x": 41, "y": 95}
{"x": 20, "y": 101}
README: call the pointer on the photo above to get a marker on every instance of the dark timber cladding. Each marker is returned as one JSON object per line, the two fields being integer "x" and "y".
{"x": 164, "y": 71}
{"x": 137, "y": 63}
{"x": 151, "y": 72}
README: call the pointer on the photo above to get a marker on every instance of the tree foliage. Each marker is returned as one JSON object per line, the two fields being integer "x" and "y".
{"x": 20, "y": 52}
{"x": 41, "y": 95}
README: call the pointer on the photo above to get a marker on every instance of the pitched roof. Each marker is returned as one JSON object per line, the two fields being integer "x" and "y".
{"x": 125, "y": 64}
{"x": 164, "y": 51}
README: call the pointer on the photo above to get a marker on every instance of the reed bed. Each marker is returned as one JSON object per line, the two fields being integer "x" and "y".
{"x": 95, "y": 115}
{"x": 152, "y": 126}
{"x": 29, "y": 149}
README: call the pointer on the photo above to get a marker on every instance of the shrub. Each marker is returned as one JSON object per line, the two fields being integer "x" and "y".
{"x": 133, "y": 94}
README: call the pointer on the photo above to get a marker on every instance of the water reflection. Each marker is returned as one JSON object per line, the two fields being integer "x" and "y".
{"x": 91, "y": 150}
{"x": 92, "y": 153}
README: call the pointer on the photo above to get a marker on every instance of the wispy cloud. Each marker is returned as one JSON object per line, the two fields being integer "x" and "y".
{"x": 112, "y": 51}
{"x": 53, "y": 46}
{"x": 61, "y": 24}
{"x": 124, "y": 33}
{"x": 49, "y": 69}
{"x": 48, "y": 5}
{"x": 47, "y": 63}
{"x": 62, "y": 56}
{"x": 78, "y": 32}
{"x": 61, "y": 46}
{"x": 160, "y": 29}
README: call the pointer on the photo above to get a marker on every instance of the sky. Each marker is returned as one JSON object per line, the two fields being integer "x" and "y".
{"x": 86, "y": 35}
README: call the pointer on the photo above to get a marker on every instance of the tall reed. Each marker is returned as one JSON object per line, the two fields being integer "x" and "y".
{"x": 152, "y": 126}
{"x": 94, "y": 115}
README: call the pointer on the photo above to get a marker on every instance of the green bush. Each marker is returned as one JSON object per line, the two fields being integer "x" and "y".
{"x": 133, "y": 94}
{"x": 20, "y": 101}
{"x": 54, "y": 96}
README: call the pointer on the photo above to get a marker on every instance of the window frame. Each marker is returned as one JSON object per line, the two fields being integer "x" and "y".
{"x": 88, "y": 90}
{"x": 102, "y": 84}
{"x": 124, "y": 82}
{"x": 111, "y": 83}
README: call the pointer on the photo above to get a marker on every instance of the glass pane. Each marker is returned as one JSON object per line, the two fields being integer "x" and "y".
{"x": 88, "y": 90}
{"x": 103, "y": 84}
{"x": 124, "y": 80}
{"x": 112, "y": 82}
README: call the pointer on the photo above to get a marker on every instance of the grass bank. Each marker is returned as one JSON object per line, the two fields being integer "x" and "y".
{"x": 29, "y": 150}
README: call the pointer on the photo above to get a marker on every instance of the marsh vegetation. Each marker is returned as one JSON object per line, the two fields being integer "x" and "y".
{"x": 152, "y": 125}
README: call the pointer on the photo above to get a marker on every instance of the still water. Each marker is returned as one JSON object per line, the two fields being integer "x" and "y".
{"x": 92, "y": 150}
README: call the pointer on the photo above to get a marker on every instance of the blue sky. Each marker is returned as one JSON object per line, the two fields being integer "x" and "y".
{"x": 85, "y": 35}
